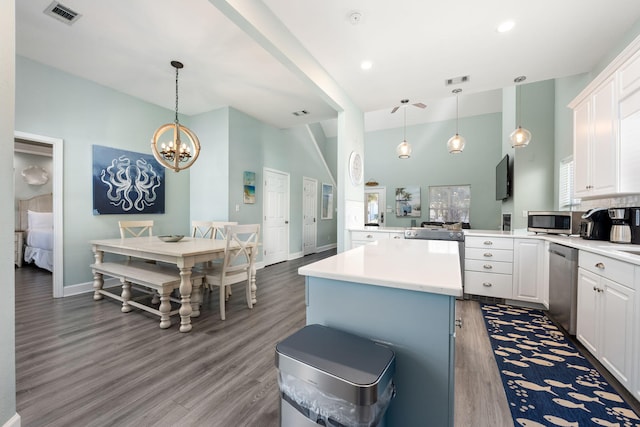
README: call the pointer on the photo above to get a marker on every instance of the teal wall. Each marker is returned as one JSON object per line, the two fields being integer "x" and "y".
{"x": 56, "y": 104}
{"x": 52, "y": 103}
{"x": 254, "y": 145}
{"x": 431, "y": 164}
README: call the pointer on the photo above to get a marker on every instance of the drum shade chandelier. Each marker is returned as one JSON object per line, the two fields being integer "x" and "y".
{"x": 456, "y": 143}
{"x": 519, "y": 137}
{"x": 174, "y": 151}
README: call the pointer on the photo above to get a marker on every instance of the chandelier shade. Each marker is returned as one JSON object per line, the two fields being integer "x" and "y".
{"x": 175, "y": 146}
{"x": 403, "y": 150}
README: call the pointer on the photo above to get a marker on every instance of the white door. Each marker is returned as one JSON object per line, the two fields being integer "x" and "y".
{"x": 275, "y": 237}
{"x": 376, "y": 206}
{"x": 309, "y": 215}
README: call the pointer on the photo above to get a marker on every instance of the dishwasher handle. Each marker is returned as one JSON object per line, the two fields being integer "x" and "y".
{"x": 551, "y": 251}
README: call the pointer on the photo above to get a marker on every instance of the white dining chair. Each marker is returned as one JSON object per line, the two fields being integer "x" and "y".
{"x": 218, "y": 227}
{"x": 238, "y": 264}
{"x": 135, "y": 228}
{"x": 203, "y": 229}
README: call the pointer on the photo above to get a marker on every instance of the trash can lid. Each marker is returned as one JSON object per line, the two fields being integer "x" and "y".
{"x": 350, "y": 357}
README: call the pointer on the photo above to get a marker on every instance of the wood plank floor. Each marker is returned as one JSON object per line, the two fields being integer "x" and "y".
{"x": 84, "y": 363}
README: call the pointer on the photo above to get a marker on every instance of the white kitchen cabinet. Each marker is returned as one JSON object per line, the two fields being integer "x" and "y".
{"x": 596, "y": 143}
{"x": 488, "y": 266}
{"x": 605, "y": 322}
{"x": 635, "y": 384}
{"x": 529, "y": 279}
{"x": 359, "y": 238}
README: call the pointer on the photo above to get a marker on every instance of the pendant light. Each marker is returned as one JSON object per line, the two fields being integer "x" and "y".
{"x": 404, "y": 149}
{"x": 456, "y": 143}
{"x": 174, "y": 153}
{"x": 519, "y": 137}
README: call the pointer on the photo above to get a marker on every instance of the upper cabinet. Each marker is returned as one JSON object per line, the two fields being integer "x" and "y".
{"x": 606, "y": 125}
{"x": 596, "y": 143}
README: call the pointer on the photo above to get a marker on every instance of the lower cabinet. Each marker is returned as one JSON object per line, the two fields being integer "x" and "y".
{"x": 359, "y": 238}
{"x": 530, "y": 271}
{"x": 488, "y": 266}
{"x": 605, "y": 318}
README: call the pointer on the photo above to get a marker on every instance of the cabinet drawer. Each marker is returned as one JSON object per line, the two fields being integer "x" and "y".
{"x": 369, "y": 235}
{"x": 488, "y": 242}
{"x": 488, "y": 284}
{"x": 488, "y": 266}
{"x": 613, "y": 269}
{"x": 502, "y": 255}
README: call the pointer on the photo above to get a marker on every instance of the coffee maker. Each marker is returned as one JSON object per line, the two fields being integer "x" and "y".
{"x": 596, "y": 224}
{"x": 634, "y": 224}
{"x": 620, "y": 230}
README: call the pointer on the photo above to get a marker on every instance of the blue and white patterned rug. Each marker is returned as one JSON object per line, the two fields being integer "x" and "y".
{"x": 546, "y": 379}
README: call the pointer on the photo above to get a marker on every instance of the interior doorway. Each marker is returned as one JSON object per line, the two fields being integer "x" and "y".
{"x": 375, "y": 207}
{"x": 57, "y": 177}
{"x": 275, "y": 234}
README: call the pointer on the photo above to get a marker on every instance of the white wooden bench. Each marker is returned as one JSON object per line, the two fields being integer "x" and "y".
{"x": 161, "y": 278}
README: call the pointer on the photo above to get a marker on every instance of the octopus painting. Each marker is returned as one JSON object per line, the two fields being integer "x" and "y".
{"x": 127, "y": 182}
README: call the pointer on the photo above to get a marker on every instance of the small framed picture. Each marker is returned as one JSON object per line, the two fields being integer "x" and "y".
{"x": 249, "y": 182}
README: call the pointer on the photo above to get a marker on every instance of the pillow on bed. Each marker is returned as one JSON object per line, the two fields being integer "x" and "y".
{"x": 40, "y": 219}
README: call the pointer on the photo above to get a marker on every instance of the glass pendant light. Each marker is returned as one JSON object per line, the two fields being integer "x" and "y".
{"x": 456, "y": 143}
{"x": 521, "y": 136}
{"x": 404, "y": 149}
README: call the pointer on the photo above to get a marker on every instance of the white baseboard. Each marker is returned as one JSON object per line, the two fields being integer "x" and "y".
{"x": 13, "y": 421}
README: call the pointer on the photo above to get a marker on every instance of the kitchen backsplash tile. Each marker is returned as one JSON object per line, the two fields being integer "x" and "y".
{"x": 622, "y": 201}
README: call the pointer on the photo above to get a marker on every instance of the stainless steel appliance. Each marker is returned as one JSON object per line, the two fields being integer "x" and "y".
{"x": 620, "y": 230}
{"x": 634, "y": 225}
{"x": 563, "y": 286}
{"x": 596, "y": 224}
{"x": 554, "y": 222}
{"x": 435, "y": 233}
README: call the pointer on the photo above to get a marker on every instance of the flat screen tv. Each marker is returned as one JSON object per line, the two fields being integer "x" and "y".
{"x": 503, "y": 179}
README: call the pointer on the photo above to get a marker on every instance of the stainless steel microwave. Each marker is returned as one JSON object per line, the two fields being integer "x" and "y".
{"x": 554, "y": 222}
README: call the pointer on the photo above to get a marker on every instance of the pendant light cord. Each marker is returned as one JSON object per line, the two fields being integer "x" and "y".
{"x": 456, "y": 113}
{"x": 404, "y": 129}
{"x": 177, "y": 94}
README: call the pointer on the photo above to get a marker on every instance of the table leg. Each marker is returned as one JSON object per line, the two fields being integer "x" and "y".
{"x": 196, "y": 298}
{"x": 98, "y": 280}
{"x": 185, "y": 299}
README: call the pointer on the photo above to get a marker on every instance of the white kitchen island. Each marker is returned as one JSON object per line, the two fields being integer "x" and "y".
{"x": 400, "y": 293}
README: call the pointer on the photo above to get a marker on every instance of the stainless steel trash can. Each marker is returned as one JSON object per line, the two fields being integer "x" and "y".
{"x": 333, "y": 378}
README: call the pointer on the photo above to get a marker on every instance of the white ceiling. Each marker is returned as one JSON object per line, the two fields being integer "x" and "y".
{"x": 414, "y": 46}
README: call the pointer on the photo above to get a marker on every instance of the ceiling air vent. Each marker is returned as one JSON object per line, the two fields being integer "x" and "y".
{"x": 456, "y": 80}
{"x": 62, "y": 13}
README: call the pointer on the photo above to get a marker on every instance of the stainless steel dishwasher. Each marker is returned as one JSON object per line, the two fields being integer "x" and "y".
{"x": 563, "y": 285}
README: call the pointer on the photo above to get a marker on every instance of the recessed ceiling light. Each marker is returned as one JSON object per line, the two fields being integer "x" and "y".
{"x": 366, "y": 65}
{"x": 506, "y": 26}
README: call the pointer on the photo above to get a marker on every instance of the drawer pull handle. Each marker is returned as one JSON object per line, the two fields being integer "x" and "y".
{"x": 600, "y": 266}
{"x": 487, "y": 267}
{"x": 369, "y": 236}
{"x": 488, "y": 254}
{"x": 397, "y": 237}
{"x": 487, "y": 284}
{"x": 488, "y": 242}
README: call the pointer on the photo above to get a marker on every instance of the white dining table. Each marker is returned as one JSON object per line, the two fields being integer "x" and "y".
{"x": 184, "y": 254}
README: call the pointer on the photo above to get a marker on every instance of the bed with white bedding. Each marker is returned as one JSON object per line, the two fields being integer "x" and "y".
{"x": 36, "y": 219}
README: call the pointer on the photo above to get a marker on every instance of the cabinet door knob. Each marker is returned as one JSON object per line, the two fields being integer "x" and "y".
{"x": 488, "y": 254}
{"x": 488, "y": 242}
{"x": 600, "y": 266}
{"x": 487, "y": 284}
{"x": 487, "y": 267}
{"x": 595, "y": 289}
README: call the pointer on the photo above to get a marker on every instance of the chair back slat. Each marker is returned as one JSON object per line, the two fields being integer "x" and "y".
{"x": 202, "y": 229}
{"x": 219, "y": 226}
{"x": 241, "y": 245}
{"x": 135, "y": 228}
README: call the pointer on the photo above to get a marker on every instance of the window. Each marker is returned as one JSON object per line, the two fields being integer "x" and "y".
{"x": 449, "y": 203}
{"x": 565, "y": 184}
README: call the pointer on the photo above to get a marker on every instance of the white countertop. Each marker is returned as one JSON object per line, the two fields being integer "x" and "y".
{"x": 417, "y": 265}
